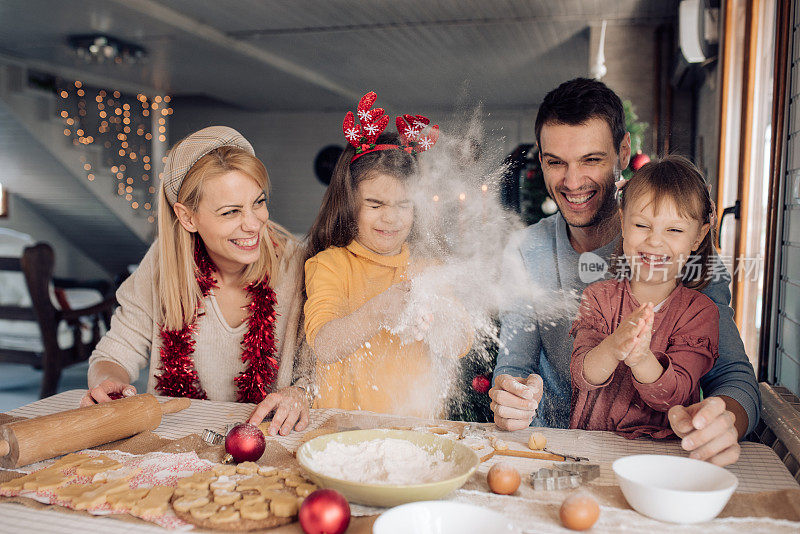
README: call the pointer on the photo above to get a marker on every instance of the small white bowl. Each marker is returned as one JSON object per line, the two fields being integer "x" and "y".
{"x": 441, "y": 517}
{"x": 674, "y": 489}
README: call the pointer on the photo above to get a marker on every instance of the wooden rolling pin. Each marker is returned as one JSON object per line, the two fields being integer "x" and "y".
{"x": 40, "y": 438}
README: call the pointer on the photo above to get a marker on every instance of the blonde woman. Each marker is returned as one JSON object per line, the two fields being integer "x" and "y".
{"x": 214, "y": 309}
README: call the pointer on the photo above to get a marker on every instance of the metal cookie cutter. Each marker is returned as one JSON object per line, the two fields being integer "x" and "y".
{"x": 564, "y": 476}
{"x": 471, "y": 430}
{"x": 214, "y": 438}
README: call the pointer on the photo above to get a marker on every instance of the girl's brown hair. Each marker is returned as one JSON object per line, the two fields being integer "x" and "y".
{"x": 336, "y": 224}
{"x": 678, "y": 180}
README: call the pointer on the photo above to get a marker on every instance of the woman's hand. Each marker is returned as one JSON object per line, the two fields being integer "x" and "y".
{"x": 106, "y": 391}
{"x": 291, "y": 411}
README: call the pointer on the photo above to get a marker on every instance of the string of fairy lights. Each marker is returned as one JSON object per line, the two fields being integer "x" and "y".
{"x": 125, "y": 128}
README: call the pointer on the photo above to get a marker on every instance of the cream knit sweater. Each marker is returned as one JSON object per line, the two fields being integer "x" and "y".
{"x": 133, "y": 341}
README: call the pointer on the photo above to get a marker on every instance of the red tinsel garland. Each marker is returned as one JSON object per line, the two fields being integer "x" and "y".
{"x": 178, "y": 377}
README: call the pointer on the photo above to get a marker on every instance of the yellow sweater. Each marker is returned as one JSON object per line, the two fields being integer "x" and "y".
{"x": 382, "y": 375}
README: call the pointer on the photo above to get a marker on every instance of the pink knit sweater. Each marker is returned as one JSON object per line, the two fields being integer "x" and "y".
{"x": 685, "y": 341}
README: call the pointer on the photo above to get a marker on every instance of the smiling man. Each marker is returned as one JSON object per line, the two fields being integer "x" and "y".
{"x": 583, "y": 148}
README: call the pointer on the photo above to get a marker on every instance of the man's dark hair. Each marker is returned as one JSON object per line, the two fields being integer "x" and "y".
{"x": 576, "y": 101}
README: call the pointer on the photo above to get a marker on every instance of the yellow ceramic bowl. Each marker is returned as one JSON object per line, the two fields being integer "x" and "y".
{"x": 391, "y": 495}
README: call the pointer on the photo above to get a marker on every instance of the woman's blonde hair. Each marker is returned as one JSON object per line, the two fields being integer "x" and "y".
{"x": 176, "y": 283}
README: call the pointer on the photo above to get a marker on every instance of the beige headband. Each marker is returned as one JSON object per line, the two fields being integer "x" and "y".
{"x": 186, "y": 153}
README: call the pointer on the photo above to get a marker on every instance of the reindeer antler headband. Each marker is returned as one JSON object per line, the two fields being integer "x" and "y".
{"x": 372, "y": 123}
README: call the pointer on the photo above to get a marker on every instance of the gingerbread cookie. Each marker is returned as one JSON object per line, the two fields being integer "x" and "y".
{"x": 124, "y": 501}
{"x": 247, "y": 468}
{"x": 226, "y": 498}
{"x": 96, "y": 465}
{"x": 226, "y": 515}
{"x": 267, "y": 470}
{"x": 222, "y": 483}
{"x": 226, "y": 470}
{"x": 49, "y": 480}
{"x": 304, "y": 490}
{"x": 252, "y": 503}
{"x": 186, "y": 502}
{"x": 156, "y": 502}
{"x": 200, "y": 513}
{"x": 71, "y": 460}
{"x": 97, "y": 497}
{"x": 256, "y": 511}
{"x": 198, "y": 481}
{"x": 73, "y": 491}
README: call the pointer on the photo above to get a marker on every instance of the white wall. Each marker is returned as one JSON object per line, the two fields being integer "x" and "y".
{"x": 287, "y": 143}
{"x": 70, "y": 262}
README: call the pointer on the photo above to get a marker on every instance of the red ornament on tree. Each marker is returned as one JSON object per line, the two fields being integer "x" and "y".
{"x": 639, "y": 160}
{"x": 325, "y": 511}
{"x": 481, "y": 383}
{"x": 245, "y": 443}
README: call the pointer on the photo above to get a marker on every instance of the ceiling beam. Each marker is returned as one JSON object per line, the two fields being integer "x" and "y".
{"x": 178, "y": 20}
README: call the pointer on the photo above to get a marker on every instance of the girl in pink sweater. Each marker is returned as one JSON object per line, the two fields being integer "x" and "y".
{"x": 645, "y": 338}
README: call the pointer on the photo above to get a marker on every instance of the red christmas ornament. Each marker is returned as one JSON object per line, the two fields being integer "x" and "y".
{"x": 639, "y": 161}
{"x": 481, "y": 383}
{"x": 325, "y": 511}
{"x": 245, "y": 443}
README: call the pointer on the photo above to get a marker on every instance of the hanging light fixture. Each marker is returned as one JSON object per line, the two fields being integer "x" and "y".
{"x": 99, "y": 48}
{"x": 597, "y": 66}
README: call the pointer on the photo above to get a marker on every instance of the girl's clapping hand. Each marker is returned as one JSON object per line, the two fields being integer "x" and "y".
{"x": 641, "y": 348}
{"x": 622, "y": 341}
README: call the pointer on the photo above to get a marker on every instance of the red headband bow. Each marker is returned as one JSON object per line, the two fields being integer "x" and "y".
{"x": 372, "y": 123}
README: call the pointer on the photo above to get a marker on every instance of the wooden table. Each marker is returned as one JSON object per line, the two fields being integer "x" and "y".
{"x": 759, "y": 469}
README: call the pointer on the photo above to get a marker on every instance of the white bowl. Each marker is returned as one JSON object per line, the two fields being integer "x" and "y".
{"x": 441, "y": 517}
{"x": 674, "y": 489}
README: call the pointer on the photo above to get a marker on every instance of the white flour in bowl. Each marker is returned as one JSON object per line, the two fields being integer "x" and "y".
{"x": 387, "y": 461}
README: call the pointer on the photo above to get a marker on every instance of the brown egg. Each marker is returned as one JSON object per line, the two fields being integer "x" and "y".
{"x": 579, "y": 511}
{"x": 503, "y": 479}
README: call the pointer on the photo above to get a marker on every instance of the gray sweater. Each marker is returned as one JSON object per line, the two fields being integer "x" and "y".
{"x": 534, "y": 336}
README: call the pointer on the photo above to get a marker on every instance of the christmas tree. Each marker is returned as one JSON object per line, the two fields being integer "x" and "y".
{"x": 636, "y": 129}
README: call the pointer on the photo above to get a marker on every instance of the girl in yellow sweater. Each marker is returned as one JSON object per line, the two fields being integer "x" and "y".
{"x": 357, "y": 274}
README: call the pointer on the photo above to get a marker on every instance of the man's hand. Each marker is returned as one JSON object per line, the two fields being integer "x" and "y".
{"x": 515, "y": 400}
{"x": 708, "y": 430}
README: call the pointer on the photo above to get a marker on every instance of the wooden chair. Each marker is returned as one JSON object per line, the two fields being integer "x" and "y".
{"x": 37, "y": 264}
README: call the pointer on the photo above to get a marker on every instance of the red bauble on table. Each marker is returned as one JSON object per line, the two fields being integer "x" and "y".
{"x": 325, "y": 511}
{"x": 245, "y": 443}
{"x": 639, "y": 160}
